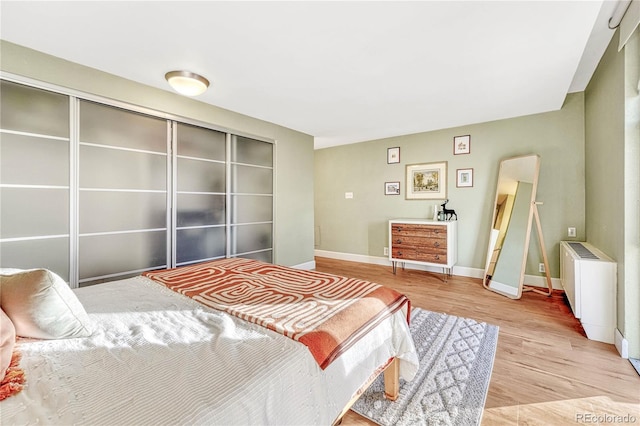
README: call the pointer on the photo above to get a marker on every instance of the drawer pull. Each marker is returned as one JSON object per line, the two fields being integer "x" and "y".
{"x": 399, "y": 254}
{"x": 437, "y": 231}
{"x": 436, "y": 244}
{"x": 398, "y": 241}
{"x": 437, "y": 257}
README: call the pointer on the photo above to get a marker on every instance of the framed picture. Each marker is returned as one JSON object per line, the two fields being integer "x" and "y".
{"x": 464, "y": 178}
{"x": 426, "y": 181}
{"x": 461, "y": 144}
{"x": 392, "y": 188}
{"x": 393, "y": 155}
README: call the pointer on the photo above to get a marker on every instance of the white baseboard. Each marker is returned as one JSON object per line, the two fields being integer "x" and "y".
{"x": 503, "y": 288}
{"x": 376, "y": 260}
{"x": 599, "y": 333}
{"x": 306, "y": 265}
{"x": 622, "y": 345}
{"x": 540, "y": 281}
{"x": 463, "y": 271}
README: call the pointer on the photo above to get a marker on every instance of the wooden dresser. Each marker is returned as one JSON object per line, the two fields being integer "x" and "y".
{"x": 423, "y": 242}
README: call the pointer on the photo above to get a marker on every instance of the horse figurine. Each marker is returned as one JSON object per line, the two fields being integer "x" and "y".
{"x": 448, "y": 213}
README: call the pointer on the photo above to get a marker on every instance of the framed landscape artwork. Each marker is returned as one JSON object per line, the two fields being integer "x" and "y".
{"x": 426, "y": 181}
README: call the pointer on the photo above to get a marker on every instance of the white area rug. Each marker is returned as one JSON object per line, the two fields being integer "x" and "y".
{"x": 456, "y": 359}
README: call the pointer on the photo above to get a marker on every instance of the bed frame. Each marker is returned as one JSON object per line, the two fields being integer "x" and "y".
{"x": 391, "y": 374}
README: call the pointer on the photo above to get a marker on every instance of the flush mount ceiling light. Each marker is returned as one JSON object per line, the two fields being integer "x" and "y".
{"x": 187, "y": 83}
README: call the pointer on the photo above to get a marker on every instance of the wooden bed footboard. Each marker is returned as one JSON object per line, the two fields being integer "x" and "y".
{"x": 391, "y": 375}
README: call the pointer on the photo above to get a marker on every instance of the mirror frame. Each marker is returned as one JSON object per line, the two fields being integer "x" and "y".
{"x": 486, "y": 283}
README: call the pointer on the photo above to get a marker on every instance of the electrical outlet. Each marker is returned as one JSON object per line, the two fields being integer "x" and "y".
{"x": 386, "y": 251}
{"x": 541, "y": 268}
{"x": 571, "y": 232}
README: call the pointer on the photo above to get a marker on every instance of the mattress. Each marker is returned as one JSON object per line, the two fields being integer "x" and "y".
{"x": 157, "y": 357}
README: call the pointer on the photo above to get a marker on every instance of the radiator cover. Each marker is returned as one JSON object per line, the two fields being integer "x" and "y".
{"x": 589, "y": 277}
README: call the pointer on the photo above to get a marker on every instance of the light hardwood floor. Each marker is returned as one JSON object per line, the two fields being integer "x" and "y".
{"x": 546, "y": 372}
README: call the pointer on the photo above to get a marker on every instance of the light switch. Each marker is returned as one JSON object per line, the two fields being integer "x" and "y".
{"x": 348, "y": 195}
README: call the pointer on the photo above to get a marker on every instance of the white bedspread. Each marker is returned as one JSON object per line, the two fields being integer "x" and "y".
{"x": 157, "y": 357}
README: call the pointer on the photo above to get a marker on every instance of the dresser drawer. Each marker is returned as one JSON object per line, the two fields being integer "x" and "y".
{"x": 411, "y": 229}
{"x": 430, "y": 256}
{"x": 419, "y": 242}
{"x": 440, "y": 258}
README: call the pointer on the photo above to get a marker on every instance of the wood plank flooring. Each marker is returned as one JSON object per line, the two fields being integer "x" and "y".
{"x": 546, "y": 372}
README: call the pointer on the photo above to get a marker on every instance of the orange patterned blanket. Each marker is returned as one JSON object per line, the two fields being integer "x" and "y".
{"x": 327, "y": 313}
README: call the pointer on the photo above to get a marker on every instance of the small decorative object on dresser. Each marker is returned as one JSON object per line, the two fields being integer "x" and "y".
{"x": 447, "y": 214}
{"x": 424, "y": 242}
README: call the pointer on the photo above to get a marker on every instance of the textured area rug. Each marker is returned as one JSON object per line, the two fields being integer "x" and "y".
{"x": 456, "y": 358}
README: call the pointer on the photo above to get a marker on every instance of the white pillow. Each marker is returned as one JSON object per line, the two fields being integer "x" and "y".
{"x": 42, "y": 306}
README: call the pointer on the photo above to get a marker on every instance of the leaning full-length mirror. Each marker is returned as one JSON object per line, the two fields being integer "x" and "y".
{"x": 511, "y": 225}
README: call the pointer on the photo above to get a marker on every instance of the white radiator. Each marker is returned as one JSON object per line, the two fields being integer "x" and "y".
{"x": 589, "y": 278}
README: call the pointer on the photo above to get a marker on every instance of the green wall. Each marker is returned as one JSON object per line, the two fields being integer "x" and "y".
{"x": 631, "y": 315}
{"x": 612, "y": 165}
{"x": 359, "y": 225}
{"x": 293, "y": 244}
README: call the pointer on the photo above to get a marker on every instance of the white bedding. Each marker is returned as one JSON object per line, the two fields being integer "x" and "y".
{"x": 157, "y": 357}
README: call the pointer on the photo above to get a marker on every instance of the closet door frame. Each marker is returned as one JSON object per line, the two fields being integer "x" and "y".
{"x": 75, "y": 97}
{"x": 49, "y": 137}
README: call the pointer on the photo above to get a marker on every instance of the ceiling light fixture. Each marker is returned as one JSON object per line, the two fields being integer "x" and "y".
{"x": 187, "y": 83}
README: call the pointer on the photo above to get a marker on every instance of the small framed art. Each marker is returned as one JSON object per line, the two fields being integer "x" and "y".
{"x": 426, "y": 181}
{"x": 392, "y": 188}
{"x": 393, "y": 155}
{"x": 461, "y": 144}
{"x": 464, "y": 178}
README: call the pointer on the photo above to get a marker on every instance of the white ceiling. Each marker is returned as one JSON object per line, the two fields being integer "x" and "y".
{"x": 343, "y": 72}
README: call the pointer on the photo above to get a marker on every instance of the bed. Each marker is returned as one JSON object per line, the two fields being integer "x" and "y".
{"x": 160, "y": 353}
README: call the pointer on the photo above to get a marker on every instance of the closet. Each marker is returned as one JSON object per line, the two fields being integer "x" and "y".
{"x": 96, "y": 191}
